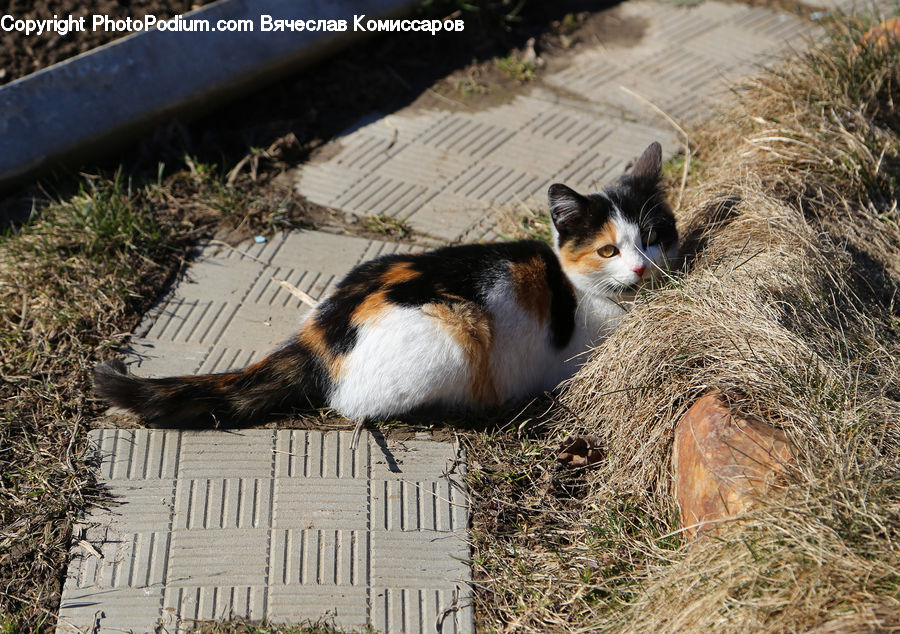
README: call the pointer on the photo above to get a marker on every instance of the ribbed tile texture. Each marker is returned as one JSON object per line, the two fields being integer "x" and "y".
{"x": 288, "y": 524}
{"x": 230, "y": 310}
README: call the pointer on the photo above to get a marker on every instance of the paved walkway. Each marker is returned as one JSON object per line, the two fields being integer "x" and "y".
{"x": 290, "y": 524}
{"x": 441, "y": 170}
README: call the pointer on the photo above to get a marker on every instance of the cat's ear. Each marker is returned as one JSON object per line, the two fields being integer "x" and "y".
{"x": 648, "y": 166}
{"x": 567, "y": 207}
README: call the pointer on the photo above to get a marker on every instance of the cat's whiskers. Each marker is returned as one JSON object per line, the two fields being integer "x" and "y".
{"x": 645, "y": 212}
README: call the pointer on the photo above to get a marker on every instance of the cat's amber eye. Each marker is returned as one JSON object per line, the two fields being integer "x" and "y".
{"x": 607, "y": 251}
{"x": 651, "y": 238}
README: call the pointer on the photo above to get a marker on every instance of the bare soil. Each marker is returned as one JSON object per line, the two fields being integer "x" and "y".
{"x": 22, "y": 54}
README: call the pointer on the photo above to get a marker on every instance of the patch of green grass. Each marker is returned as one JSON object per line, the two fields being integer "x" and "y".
{"x": 537, "y": 226}
{"x": 470, "y": 84}
{"x": 673, "y": 169}
{"x": 524, "y": 223}
{"x": 520, "y": 70}
{"x": 388, "y": 225}
{"x": 570, "y": 22}
{"x": 107, "y": 216}
{"x": 8, "y": 624}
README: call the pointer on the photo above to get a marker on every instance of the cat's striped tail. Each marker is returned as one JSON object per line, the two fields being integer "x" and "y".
{"x": 288, "y": 378}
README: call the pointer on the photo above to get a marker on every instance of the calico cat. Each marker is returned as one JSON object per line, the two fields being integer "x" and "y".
{"x": 472, "y": 325}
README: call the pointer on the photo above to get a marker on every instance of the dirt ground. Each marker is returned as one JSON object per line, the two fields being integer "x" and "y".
{"x": 21, "y": 55}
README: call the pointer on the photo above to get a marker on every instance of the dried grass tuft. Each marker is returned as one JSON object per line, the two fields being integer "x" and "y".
{"x": 787, "y": 303}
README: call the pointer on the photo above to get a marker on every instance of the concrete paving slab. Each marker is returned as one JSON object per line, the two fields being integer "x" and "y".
{"x": 379, "y": 195}
{"x": 123, "y": 610}
{"x": 447, "y": 214}
{"x": 288, "y": 524}
{"x": 687, "y": 57}
{"x": 567, "y": 127}
{"x": 444, "y": 170}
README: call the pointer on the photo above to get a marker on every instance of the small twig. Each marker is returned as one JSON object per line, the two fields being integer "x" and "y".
{"x": 244, "y": 253}
{"x": 880, "y": 158}
{"x": 90, "y": 548}
{"x": 68, "y": 453}
{"x": 452, "y": 102}
{"x": 24, "y": 312}
{"x": 155, "y": 265}
{"x": 233, "y": 174}
{"x": 296, "y": 292}
{"x": 354, "y": 441}
{"x": 697, "y": 525}
{"x": 455, "y": 606}
{"x": 31, "y": 602}
{"x": 396, "y": 133}
{"x": 555, "y": 400}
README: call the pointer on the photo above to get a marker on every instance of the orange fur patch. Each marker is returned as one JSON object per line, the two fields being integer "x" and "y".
{"x": 585, "y": 259}
{"x": 372, "y": 307}
{"x": 400, "y": 272}
{"x": 313, "y": 337}
{"x": 219, "y": 382}
{"x": 530, "y": 286}
{"x": 471, "y": 328}
{"x": 376, "y": 302}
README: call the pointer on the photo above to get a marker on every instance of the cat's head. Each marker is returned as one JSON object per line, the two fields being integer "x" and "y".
{"x": 613, "y": 241}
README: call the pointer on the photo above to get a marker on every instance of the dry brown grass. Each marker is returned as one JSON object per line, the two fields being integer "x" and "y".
{"x": 788, "y": 304}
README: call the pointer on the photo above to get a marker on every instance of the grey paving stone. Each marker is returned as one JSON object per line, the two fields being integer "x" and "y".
{"x": 850, "y": 7}
{"x": 687, "y": 58}
{"x": 110, "y": 609}
{"x": 288, "y": 524}
{"x": 444, "y": 171}
{"x": 253, "y": 523}
{"x": 446, "y": 178}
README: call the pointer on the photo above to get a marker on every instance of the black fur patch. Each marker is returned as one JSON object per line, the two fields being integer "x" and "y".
{"x": 577, "y": 218}
{"x": 643, "y": 204}
{"x": 289, "y": 377}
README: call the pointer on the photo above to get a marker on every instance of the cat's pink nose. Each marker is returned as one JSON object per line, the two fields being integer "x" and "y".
{"x": 639, "y": 269}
